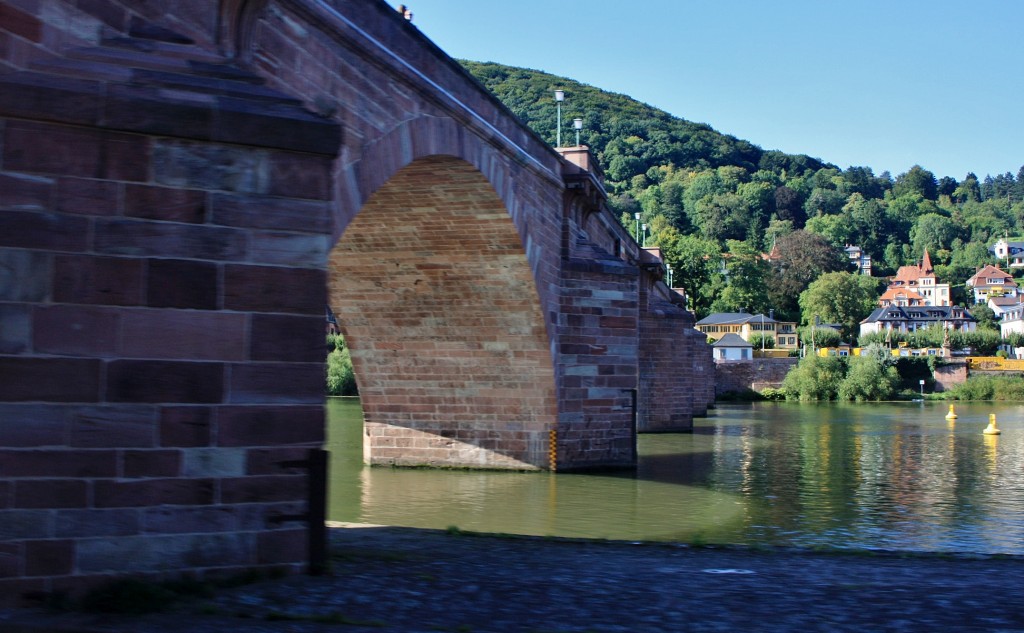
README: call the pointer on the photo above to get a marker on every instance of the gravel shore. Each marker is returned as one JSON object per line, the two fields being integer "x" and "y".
{"x": 388, "y": 579}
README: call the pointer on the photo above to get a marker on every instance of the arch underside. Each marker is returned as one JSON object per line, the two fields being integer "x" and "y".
{"x": 439, "y": 308}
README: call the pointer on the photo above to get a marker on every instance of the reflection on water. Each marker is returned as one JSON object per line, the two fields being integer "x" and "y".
{"x": 889, "y": 476}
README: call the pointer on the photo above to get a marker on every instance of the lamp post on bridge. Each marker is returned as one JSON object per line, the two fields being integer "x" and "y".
{"x": 559, "y": 98}
{"x": 578, "y": 125}
{"x": 636, "y": 233}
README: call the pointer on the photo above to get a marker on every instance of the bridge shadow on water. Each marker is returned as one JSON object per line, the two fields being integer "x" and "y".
{"x": 685, "y": 459}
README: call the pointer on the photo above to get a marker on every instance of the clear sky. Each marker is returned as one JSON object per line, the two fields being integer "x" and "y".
{"x": 880, "y": 83}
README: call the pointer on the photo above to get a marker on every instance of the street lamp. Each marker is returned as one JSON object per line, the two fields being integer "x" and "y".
{"x": 814, "y": 327}
{"x": 559, "y": 98}
{"x": 636, "y": 233}
{"x": 644, "y": 228}
{"x": 669, "y": 268}
{"x": 578, "y": 124}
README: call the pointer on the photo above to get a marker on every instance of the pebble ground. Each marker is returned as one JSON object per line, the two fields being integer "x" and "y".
{"x": 386, "y": 579}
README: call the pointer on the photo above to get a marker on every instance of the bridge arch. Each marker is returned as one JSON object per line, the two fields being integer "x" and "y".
{"x": 433, "y": 290}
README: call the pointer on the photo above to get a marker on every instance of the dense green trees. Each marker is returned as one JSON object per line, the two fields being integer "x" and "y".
{"x": 840, "y": 297}
{"x": 341, "y": 379}
{"x": 802, "y": 257}
{"x": 815, "y": 378}
{"x": 870, "y": 376}
{"x": 715, "y": 202}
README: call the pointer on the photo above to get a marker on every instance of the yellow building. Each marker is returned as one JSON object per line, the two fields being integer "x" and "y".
{"x": 717, "y": 325}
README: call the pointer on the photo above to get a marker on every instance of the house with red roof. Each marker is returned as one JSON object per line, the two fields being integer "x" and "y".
{"x": 900, "y": 297}
{"x": 990, "y": 282}
{"x": 920, "y": 279}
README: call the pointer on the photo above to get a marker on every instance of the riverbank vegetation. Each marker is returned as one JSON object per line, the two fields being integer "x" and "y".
{"x": 1007, "y": 388}
{"x": 870, "y": 376}
{"x": 876, "y": 375}
{"x": 341, "y": 379}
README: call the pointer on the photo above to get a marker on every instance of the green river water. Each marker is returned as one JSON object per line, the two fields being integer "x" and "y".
{"x": 895, "y": 476}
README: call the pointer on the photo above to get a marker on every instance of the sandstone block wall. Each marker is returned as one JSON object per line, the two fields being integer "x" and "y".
{"x": 598, "y": 346}
{"x": 674, "y": 368}
{"x": 162, "y": 285}
{"x": 949, "y": 375}
{"x": 436, "y": 298}
{"x": 755, "y": 374}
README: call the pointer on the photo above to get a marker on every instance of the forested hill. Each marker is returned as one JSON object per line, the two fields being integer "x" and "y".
{"x": 629, "y": 137}
{"x": 703, "y": 193}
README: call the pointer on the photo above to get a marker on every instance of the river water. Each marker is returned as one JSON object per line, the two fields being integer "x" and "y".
{"x": 895, "y": 476}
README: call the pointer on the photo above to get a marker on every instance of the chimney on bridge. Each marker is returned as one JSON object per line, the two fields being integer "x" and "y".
{"x": 582, "y": 158}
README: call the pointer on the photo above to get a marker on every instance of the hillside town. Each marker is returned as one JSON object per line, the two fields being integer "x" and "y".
{"x": 913, "y": 300}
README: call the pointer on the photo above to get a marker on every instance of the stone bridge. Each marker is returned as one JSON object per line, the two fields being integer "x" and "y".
{"x": 182, "y": 192}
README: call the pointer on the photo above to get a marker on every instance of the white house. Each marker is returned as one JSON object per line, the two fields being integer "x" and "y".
{"x": 732, "y": 347}
{"x": 913, "y": 318}
{"x": 1013, "y": 322}
{"x": 1002, "y": 305}
{"x": 990, "y": 282}
{"x": 859, "y": 259}
{"x": 1009, "y": 251}
{"x": 921, "y": 280}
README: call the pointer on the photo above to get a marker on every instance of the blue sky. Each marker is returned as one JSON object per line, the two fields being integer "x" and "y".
{"x": 883, "y": 84}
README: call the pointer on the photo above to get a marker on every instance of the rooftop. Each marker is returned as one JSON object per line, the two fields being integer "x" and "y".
{"x": 734, "y": 318}
{"x": 731, "y": 340}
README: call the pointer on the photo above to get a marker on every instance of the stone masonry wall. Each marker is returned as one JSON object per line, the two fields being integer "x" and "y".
{"x": 598, "y": 346}
{"x": 672, "y": 389}
{"x": 161, "y": 295}
{"x": 444, "y": 325}
{"x": 755, "y": 374}
{"x": 950, "y": 375}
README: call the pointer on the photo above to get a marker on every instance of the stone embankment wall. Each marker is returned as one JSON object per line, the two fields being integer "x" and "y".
{"x": 949, "y": 375}
{"x": 756, "y": 374}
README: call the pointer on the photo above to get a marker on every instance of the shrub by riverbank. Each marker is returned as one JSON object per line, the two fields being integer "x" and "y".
{"x": 875, "y": 375}
{"x": 341, "y": 379}
{"x": 1007, "y": 388}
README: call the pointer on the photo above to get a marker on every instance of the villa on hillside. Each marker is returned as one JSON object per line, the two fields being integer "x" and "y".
{"x": 913, "y": 318}
{"x": 991, "y": 282}
{"x": 745, "y": 325}
{"x": 921, "y": 280}
{"x": 1002, "y": 305}
{"x": 1009, "y": 251}
{"x": 1012, "y": 322}
{"x": 858, "y": 259}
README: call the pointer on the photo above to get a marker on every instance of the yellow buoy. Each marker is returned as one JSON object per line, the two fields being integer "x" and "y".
{"x": 991, "y": 428}
{"x": 952, "y": 414}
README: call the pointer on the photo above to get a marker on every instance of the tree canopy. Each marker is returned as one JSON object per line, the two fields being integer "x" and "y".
{"x": 842, "y": 298}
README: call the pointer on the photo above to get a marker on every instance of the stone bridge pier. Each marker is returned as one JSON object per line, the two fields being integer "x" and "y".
{"x": 184, "y": 186}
